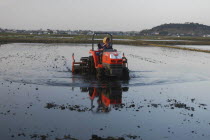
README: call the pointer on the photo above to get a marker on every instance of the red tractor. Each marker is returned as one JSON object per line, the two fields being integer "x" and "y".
{"x": 106, "y": 63}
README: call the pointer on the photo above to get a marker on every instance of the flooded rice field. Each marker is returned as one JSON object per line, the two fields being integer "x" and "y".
{"x": 167, "y": 96}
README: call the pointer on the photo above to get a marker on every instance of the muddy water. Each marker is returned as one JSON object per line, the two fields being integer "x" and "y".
{"x": 166, "y": 98}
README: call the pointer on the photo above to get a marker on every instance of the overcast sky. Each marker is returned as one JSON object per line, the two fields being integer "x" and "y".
{"x": 104, "y": 15}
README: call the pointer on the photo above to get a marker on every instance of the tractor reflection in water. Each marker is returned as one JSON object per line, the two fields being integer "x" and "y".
{"x": 107, "y": 97}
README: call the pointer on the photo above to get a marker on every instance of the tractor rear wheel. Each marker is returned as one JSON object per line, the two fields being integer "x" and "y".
{"x": 91, "y": 65}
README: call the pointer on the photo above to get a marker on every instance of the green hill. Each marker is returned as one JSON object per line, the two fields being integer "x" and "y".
{"x": 173, "y": 29}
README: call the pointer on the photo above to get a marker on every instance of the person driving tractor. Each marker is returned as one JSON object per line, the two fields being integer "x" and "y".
{"x": 102, "y": 47}
{"x": 106, "y": 44}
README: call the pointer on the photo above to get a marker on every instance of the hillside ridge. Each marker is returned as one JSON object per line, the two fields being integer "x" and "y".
{"x": 179, "y": 29}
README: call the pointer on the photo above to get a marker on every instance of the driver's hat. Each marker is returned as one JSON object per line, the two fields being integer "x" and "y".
{"x": 105, "y": 40}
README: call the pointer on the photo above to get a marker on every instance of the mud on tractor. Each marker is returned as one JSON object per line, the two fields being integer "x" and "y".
{"x": 103, "y": 64}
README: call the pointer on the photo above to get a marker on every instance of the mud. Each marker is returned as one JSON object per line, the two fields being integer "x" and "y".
{"x": 167, "y": 96}
{"x": 42, "y": 137}
{"x": 77, "y": 108}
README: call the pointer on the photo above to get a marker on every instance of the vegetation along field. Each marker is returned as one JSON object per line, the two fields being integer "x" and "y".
{"x": 159, "y": 41}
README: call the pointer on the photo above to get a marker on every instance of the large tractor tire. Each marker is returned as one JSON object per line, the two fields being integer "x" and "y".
{"x": 100, "y": 73}
{"x": 125, "y": 74}
{"x": 91, "y": 65}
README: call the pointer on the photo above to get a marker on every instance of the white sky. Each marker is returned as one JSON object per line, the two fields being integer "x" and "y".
{"x": 103, "y": 15}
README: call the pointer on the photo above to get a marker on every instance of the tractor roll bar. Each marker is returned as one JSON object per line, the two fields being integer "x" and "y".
{"x": 100, "y": 33}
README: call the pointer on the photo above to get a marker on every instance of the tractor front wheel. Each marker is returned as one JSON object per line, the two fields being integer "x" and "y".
{"x": 125, "y": 74}
{"x": 100, "y": 73}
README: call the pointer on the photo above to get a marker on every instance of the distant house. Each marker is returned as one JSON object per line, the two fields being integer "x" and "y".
{"x": 155, "y": 33}
{"x": 72, "y": 33}
{"x": 89, "y": 33}
{"x": 206, "y": 35}
{"x": 69, "y": 32}
{"x": 11, "y": 31}
{"x": 54, "y": 31}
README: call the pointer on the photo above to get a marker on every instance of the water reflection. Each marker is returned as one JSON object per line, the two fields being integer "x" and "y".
{"x": 106, "y": 97}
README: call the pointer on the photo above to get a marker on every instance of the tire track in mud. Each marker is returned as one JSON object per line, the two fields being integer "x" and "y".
{"x": 147, "y": 59}
{"x": 38, "y": 66}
